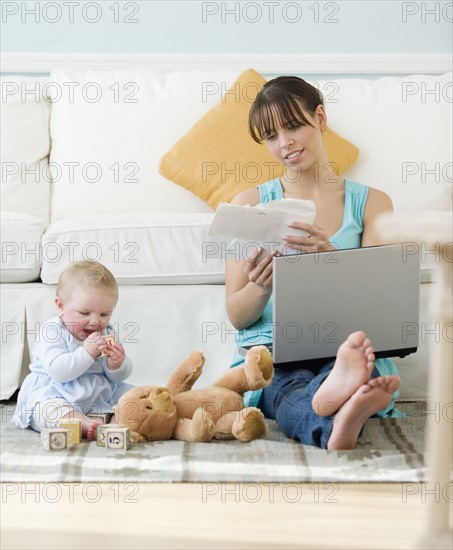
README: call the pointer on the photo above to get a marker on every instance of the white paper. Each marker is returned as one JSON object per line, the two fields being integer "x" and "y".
{"x": 262, "y": 225}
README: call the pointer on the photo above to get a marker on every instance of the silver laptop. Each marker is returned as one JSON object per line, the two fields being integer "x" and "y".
{"x": 320, "y": 298}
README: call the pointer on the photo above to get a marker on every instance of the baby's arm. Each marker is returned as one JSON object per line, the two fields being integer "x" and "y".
{"x": 61, "y": 364}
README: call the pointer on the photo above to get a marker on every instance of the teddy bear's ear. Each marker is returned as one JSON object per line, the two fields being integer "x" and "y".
{"x": 161, "y": 400}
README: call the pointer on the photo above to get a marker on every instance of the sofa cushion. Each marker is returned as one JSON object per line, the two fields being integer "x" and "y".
{"x": 218, "y": 158}
{"x": 109, "y": 135}
{"x": 402, "y": 127}
{"x": 20, "y": 238}
{"x": 138, "y": 249}
{"x": 110, "y": 132}
{"x": 25, "y": 146}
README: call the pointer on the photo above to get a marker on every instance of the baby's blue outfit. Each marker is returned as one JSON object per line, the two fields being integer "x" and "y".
{"x": 304, "y": 424}
{"x": 61, "y": 368}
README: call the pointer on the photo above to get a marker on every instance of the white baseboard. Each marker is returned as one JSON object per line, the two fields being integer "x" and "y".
{"x": 352, "y": 64}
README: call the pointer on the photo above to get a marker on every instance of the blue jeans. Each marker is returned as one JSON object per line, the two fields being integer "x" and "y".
{"x": 288, "y": 400}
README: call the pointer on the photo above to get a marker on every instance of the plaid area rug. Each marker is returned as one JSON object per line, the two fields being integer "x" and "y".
{"x": 390, "y": 450}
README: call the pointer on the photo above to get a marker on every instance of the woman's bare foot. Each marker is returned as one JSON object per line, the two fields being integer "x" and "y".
{"x": 353, "y": 367}
{"x": 370, "y": 398}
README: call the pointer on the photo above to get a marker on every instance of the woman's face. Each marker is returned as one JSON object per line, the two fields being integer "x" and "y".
{"x": 296, "y": 145}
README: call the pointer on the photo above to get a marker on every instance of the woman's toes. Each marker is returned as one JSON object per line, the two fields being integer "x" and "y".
{"x": 376, "y": 381}
{"x": 394, "y": 383}
{"x": 356, "y": 339}
{"x": 366, "y": 344}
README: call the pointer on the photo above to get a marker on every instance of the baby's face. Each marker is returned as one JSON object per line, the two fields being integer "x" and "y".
{"x": 85, "y": 311}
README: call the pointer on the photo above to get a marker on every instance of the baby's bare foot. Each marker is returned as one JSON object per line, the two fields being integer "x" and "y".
{"x": 91, "y": 431}
{"x": 353, "y": 367}
{"x": 370, "y": 398}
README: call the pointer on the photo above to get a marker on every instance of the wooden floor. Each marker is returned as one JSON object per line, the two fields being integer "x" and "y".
{"x": 161, "y": 516}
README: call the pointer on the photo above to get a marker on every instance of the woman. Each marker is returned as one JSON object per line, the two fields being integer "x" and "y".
{"x": 325, "y": 405}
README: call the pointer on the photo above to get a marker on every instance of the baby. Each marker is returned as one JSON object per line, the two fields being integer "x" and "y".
{"x": 76, "y": 369}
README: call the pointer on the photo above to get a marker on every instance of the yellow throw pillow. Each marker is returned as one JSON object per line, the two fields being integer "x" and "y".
{"x": 217, "y": 158}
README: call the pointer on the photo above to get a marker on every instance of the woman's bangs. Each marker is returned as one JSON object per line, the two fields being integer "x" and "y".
{"x": 282, "y": 112}
{"x": 265, "y": 120}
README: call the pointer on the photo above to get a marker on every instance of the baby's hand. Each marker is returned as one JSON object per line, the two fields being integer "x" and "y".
{"x": 115, "y": 356}
{"x": 94, "y": 344}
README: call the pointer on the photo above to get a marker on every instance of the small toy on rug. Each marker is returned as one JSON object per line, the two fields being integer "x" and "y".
{"x": 109, "y": 341}
{"x": 156, "y": 414}
{"x": 54, "y": 439}
{"x": 74, "y": 427}
{"x": 103, "y": 418}
{"x": 117, "y": 438}
{"x": 100, "y": 433}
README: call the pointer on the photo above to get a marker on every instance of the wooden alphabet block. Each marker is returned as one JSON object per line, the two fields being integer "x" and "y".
{"x": 104, "y": 418}
{"x": 109, "y": 340}
{"x": 74, "y": 428}
{"x": 100, "y": 433}
{"x": 117, "y": 438}
{"x": 54, "y": 439}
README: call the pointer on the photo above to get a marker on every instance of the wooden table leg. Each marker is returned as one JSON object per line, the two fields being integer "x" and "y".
{"x": 439, "y": 488}
{"x": 434, "y": 229}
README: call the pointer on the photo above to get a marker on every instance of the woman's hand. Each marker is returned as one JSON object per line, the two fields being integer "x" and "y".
{"x": 259, "y": 271}
{"x": 317, "y": 240}
{"x": 115, "y": 356}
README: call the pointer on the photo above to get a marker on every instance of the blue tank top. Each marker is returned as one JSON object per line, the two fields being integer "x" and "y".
{"x": 348, "y": 236}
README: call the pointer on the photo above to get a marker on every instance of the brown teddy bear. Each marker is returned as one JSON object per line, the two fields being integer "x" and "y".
{"x": 155, "y": 414}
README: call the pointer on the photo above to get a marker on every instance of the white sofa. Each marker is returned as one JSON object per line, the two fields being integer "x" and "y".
{"x": 79, "y": 178}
